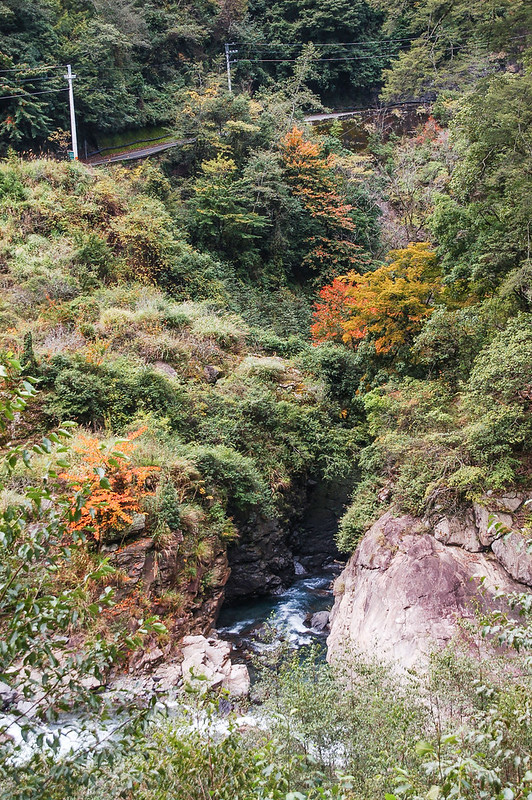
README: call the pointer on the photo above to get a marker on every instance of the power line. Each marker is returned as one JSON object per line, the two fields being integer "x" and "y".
{"x": 33, "y": 69}
{"x": 321, "y": 44}
{"x": 32, "y": 80}
{"x": 32, "y": 94}
{"x": 363, "y": 57}
{"x": 353, "y": 44}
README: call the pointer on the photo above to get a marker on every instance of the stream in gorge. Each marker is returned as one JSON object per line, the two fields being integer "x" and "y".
{"x": 289, "y": 612}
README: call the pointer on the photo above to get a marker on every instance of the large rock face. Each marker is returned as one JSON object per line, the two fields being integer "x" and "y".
{"x": 403, "y": 590}
{"x": 260, "y": 560}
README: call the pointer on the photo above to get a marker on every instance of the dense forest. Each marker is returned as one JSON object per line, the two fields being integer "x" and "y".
{"x": 191, "y": 343}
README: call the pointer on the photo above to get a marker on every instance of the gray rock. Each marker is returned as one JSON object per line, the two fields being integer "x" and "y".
{"x": 212, "y": 373}
{"x": 509, "y": 502}
{"x": 237, "y": 683}
{"x": 138, "y": 524}
{"x": 148, "y": 658}
{"x": 460, "y": 531}
{"x": 168, "y": 676}
{"x": 167, "y": 369}
{"x": 402, "y": 593}
{"x": 136, "y": 559}
{"x": 320, "y": 620}
{"x": 511, "y": 551}
{"x": 487, "y": 533}
{"x": 91, "y": 682}
{"x": 207, "y": 665}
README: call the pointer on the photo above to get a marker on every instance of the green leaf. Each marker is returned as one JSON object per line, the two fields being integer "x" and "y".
{"x": 424, "y": 748}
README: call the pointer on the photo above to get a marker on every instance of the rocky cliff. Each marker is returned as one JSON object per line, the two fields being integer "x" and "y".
{"x": 411, "y": 580}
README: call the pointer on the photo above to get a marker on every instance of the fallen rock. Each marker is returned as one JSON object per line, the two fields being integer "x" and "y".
{"x": 167, "y": 369}
{"x": 91, "y": 682}
{"x": 168, "y": 676}
{"x": 510, "y": 502}
{"x": 148, "y": 658}
{"x": 319, "y": 621}
{"x": 212, "y": 373}
{"x": 402, "y": 593}
{"x": 511, "y": 551}
{"x": 237, "y": 683}
{"x": 207, "y": 665}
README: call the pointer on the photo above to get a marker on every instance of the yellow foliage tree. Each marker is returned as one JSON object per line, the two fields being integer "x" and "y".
{"x": 387, "y": 305}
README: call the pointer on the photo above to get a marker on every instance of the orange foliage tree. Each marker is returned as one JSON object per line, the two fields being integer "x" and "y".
{"x": 387, "y": 305}
{"x": 312, "y": 179}
{"x": 112, "y": 485}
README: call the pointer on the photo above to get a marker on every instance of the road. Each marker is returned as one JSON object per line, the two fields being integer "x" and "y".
{"x": 143, "y": 152}
{"x": 132, "y": 155}
{"x": 333, "y": 115}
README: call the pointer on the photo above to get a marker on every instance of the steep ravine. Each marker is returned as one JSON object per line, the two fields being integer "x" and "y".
{"x": 269, "y": 554}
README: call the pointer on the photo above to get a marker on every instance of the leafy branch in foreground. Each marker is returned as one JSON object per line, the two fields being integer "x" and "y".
{"x": 48, "y": 663}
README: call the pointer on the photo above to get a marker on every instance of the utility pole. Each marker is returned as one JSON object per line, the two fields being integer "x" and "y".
{"x": 228, "y": 63}
{"x": 70, "y": 77}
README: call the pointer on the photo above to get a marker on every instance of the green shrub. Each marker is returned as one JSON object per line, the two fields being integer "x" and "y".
{"x": 450, "y": 341}
{"x": 79, "y": 396}
{"x": 272, "y": 344}
{"x": 112, "y": 393}
{"x": 236, "y": 475}
{"x": 503, "y": 370}
{"x": 11, "y": 187}
{"x": 93, "y": 261}
{"x": 363, "y": 511}
{"x": 228, "y": 332}
{"x": 176, "y": 319}
{"x": 339, "y": 367}
{"x": 265, "y": 369}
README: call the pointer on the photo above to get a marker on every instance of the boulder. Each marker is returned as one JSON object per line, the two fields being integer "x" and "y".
{"x": 212, "y": 373}
{"x": 319, "y": 621}
{"x": 167, "y": 676}
{"x": 510, "y": 502}
{"x": 237, "y": 683}
{"x": 138, "y": 524}
{"x": 207, "y": 665}
{"x": 403, "y": 592}
{"x": 512, "y": 552}
{"x": 147, "y": 659}
{"x": 167, "y": 369}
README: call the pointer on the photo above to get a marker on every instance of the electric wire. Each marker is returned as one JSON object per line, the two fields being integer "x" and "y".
{"x": 32, "y": 94}
{"x": 280, "y": 45}
{"x": 31, "y": 80}
{"x": 360, "y": 57}
{"x": 33, "y": 69}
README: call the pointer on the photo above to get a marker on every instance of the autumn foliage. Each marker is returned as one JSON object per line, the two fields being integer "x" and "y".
{"x": 312, "y": 179}
{"x": 387, "y": 305}
{"x": 114, "y": 487}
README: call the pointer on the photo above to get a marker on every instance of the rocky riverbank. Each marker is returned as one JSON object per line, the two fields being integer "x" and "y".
{"x": 411, "y": 581}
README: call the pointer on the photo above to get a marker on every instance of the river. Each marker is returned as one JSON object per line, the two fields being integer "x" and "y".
{"x": 242, "y": 623}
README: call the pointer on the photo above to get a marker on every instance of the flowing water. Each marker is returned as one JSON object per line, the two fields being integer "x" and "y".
{"x": 289, "y": 612}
